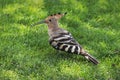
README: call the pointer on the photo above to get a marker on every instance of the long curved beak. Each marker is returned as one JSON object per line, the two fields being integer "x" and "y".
{"x": 40, "y": 22}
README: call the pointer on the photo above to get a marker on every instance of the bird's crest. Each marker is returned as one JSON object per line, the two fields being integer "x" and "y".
{"x": 56, "y": 16}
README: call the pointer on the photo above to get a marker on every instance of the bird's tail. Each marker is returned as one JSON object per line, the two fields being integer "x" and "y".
{"x": 89, "y": 57}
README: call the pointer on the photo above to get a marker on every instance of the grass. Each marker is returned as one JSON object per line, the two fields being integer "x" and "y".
{"x": 25, "y": 53}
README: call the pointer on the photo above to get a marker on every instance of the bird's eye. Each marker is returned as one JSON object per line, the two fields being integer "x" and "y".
{"x": 50, "y": 20}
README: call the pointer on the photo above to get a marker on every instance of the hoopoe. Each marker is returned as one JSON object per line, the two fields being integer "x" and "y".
{"x": 61, "y": 39}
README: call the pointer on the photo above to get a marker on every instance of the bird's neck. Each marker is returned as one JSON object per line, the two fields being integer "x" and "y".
{"x": 53, "y": 27}
{"x": 53, "y": 30}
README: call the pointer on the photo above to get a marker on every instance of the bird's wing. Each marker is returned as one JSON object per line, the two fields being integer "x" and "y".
{"x": 65, "y": 42}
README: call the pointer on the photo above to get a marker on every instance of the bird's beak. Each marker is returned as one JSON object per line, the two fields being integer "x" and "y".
{"x": 40, "y": 22}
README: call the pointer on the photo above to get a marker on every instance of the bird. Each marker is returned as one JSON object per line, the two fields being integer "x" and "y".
{"x": 61, "y": 39}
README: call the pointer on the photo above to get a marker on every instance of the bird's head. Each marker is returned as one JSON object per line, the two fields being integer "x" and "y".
{"x": 51, "y": 20}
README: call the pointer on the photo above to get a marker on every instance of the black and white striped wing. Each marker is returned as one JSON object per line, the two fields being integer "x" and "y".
{"x": 65, "y": 42}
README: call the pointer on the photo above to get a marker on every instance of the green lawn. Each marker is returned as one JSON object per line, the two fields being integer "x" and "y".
{"x": 25, "y": 53}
